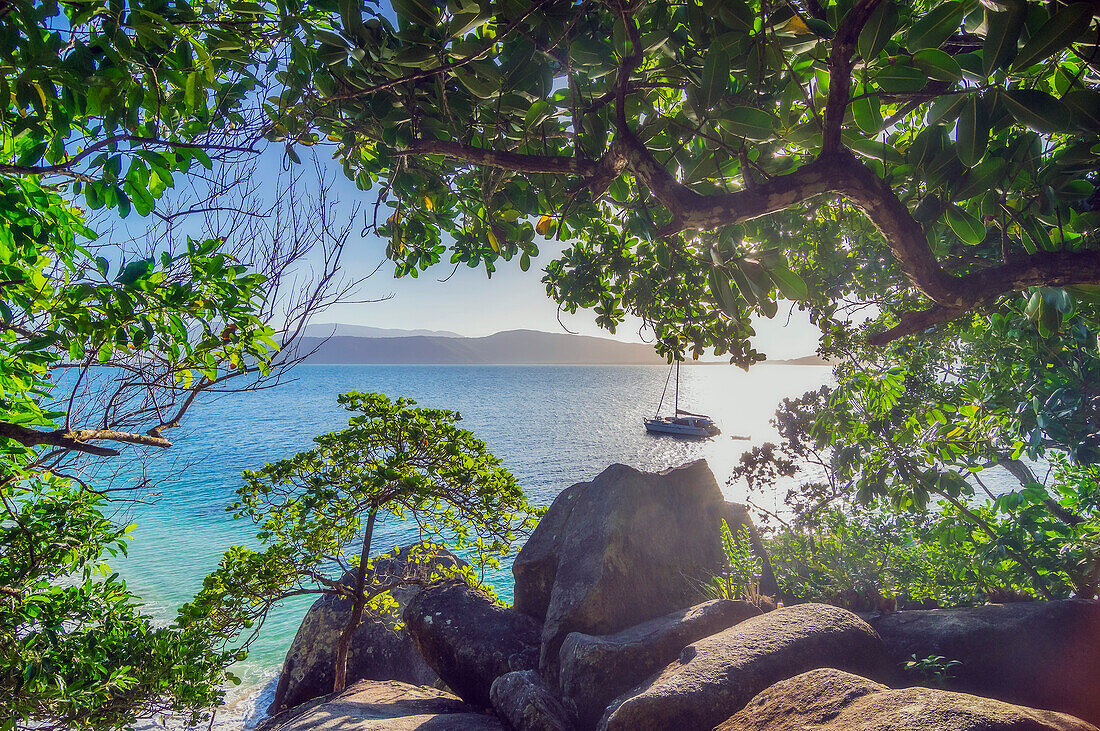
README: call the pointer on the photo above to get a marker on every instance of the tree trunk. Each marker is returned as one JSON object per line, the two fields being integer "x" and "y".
{"x": 344, "y": 643}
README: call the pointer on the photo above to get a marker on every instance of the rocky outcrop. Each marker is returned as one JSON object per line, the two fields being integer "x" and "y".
{"x": 597, "y": 669}
{"x": 372, "y": 705}
{"x": 716, "y": 676}
{"x": 378, "y": 650}
{"x": 612, "y": 553}
{"x": 526, "y": 704}
{"x": 468, "y": 640}
{"x": 1040, "y": 654}
{"x": 831, "y": 700}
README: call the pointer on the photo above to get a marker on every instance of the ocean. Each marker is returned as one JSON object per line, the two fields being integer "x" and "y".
{"x": 552, "y": 426}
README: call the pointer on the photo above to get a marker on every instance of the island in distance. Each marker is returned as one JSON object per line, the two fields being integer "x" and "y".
{"x": 357, "y": 344}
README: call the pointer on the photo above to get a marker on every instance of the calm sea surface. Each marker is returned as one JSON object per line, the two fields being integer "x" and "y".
{"x": 552, "y": 425}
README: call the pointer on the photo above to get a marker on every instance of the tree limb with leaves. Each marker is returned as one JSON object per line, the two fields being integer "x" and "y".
{"x": 686, "y": 153}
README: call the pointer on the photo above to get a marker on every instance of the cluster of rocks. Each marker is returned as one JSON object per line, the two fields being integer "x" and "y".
{"x": 611, "y": 630}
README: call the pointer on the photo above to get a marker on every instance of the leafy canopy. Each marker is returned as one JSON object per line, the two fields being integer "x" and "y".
{"x": 108, "y": 106}
{"x": 701, "y": 159}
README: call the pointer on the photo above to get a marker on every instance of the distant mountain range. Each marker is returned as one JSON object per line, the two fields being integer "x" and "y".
{"x": 330, "y": 329}
{"x": 359, "y": 344}
{"x": 513, "y": 347}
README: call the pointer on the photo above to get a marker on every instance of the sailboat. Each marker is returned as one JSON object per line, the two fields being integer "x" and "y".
{"x": 681, "y": 423}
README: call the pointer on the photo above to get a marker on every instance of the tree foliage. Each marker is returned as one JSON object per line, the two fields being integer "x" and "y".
{"x": 701, "y": 159}
{"x": 78, "y": 650}
{"x": 942, "y": 429}
{"x": 317, "y": 513}
{"x": 107, "y": 341}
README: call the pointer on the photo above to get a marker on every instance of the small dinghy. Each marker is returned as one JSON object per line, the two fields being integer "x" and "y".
{"x": 681, "y": 423}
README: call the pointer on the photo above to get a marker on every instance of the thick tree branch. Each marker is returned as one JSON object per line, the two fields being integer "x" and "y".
{"x": 77, "y": 439}
{"x": 915, "y": 322}
{"x": 840, "y": 71}
{"x": 1046, "y": 269}
{"x": 504, "y": 160}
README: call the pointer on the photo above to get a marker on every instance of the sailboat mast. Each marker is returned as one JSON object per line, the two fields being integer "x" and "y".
{"x": 677, "y": 412}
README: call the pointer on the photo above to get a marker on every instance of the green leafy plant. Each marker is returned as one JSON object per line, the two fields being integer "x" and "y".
{"x": 741, "y": 579}
{"x": 934, "y": 671}
{"x": 317, "y": 513}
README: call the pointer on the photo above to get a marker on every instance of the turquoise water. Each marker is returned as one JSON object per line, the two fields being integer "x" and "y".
{"x": 552, "y": 425}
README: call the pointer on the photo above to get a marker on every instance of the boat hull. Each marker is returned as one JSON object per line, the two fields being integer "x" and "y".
{"x": 661, "y": 426}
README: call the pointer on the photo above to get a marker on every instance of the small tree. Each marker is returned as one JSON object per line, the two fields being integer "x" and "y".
{"x": 317, "y": 513}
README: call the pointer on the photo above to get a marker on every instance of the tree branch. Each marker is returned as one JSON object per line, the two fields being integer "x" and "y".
{"x": 840, "y": 72}
{"x": 76, "y": 440}
{"x": 1046, "y": 269}
{"x": 504, "y": 160}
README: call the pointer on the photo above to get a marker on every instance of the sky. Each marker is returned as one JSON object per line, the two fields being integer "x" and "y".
{"x": 467, "y": 302}
{"x": 470, "y": 303}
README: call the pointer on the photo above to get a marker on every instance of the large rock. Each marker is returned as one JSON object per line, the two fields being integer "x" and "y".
{"x": 378, "y": 651}
{"x": 625, "y": 548}
{"x": 526, "y": 704}
{"x": 1040, "y": 654}
{"x": 831, "y": 700}
{"x": 716, "y": 676}
{"x": 597, "y": 669}
{"x": 389, "y": 705}
{"x": 468, "y": 640}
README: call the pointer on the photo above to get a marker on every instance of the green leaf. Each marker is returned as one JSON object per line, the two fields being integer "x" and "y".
{"x": 619, "y": 190}
{"x": 999, "y": 47}
{"x": 1086, "y": 293}
{"x": 134, "y": 271}
{"x": 867, "y": 112}
{"x": 722, "y": 292}
{"x": 966, "y": 226}
{"x": 40, "y": 343}
{"x": 538, "y": 113}
{"x": 820, "y": 28}
{"x": 1037, "y": 233}
{"x": 980, "y": 179}
{"x": 935, "y": 26}
{"x": 420, "y": 12}
{"x": 1037, "y": 110}
{"x": 1055, "y": 35}
{"x": 928, "y": 208}
{"x": 946, "y": 108}
{"x": 747, "y": 122}
{"x": 972, "y": 130}
{"x": 1084, "y": 109}
{"x": 190, "y": 90}
{"x": 877, "y": 32}
{"x": 715, "y": 78}
{"x": 790, "y": 284}
{"x": 938, "y": 65}
{"x": 898, "y": 78}
{"x": 479, "y": 86}
{"x": 876, "y": 149}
